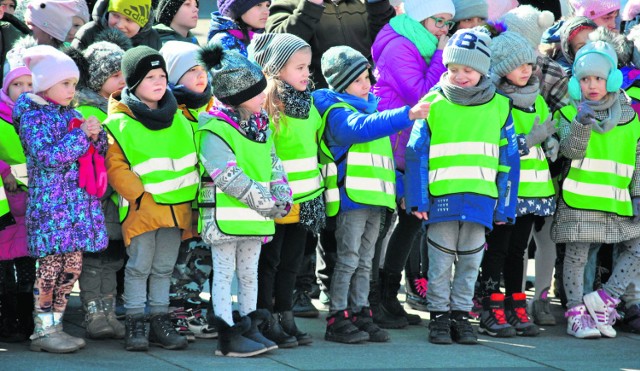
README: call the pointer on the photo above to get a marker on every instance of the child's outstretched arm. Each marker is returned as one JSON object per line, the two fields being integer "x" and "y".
{"x": 417, "y": 168}
{"x": 508, "y": 176}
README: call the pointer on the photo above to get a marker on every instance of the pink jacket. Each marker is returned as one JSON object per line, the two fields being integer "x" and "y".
{"x": 13, "y": 239}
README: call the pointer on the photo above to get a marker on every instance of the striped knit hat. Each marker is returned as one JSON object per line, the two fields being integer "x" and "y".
{"x": 272, "y": 50}
{"x": 341, "y": 65}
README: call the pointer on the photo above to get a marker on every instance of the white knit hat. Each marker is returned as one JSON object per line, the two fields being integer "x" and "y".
{"x": 180, "y": 56}
{"x": 528, "y": 22}
{"x": 420, "y": 10}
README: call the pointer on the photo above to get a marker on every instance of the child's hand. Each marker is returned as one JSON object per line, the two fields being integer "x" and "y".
{"x": 419, "y": 111}
{"x": 586, "y": 116}
{"x": 422, "y": 215}
{"x": 540, "y": 132}
{"x": 10, "y": 183}
{"x": 85, "y": 129}
{"x": 442, "y": 42}
{"x": 94, "y": 127}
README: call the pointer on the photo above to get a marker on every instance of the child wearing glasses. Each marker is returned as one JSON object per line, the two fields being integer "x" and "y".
{"x": 408, "y": 56}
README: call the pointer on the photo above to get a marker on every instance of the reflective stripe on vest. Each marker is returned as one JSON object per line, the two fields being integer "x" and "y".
{"x": 123, "y": 207}
{"x": 331, "y": 193}
{"x": 19, "y": 172}
{"x": 165, "y": 160}
{"x": 601, "y": 180}
{"x": 463, "y": 152}
{"x": 12, "y": 153}
{"x": 535, "y": 178}
{"x": 232, "y": 216}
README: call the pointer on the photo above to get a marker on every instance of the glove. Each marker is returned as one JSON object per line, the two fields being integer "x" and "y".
{"x": 540, "y": 132}
{"x": 100, "y": 174}
{"x": 586, "y": 115}
{"x": 552, "y": 147}
{"x": 278, "y": 210}
{"x": 635, "y": 202}
{"x": 86, "y": 173}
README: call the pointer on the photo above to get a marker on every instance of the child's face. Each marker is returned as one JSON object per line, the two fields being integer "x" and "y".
{"x": 438, "y": 24}
{"x": 463, "y": 76}
{"x": 579, "y": 40}
{"x": 521, "y": 75}
{"x": 187, "y": 15}
{"x": 62, "y": 92}
{"x": 255, "y": 104}
{"x": 18, "y": 86}
{"x": 296, "y": 71}
{"x": 114, "y": 83}
{"x": 195, "y": 79}
{"x": 76, "y": 23}
{"x": 593, "y": 87}
{"x": 608, "y": 20}
{"x": 360, "y": 87}
{"x": 256, "y": 17}
{"x": 9, "y": 6}
{"x": 471, "y": 22}
{"x": 152, "y": 88}
{"x": 124, "y": 24}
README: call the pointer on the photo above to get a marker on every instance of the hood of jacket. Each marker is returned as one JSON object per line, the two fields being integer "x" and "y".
{"x": 29, "y": 102}
{"x": 88, "y": 97}
{"x": 220, "y": 23}
{"x": 325, "y": 98}
{"x": 385, "y": 37}
{"x": 569, "y": 26}
{"x": 116, "y": 106}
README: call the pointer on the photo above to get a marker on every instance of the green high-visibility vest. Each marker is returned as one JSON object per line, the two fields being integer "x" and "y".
{"x": 296, "y": 142}
{"x": 465, "y": 144}
{"x": 12, "y": 153}
{"x": 535, "y": 178}
{"x": 232, "y": 216}
{"x": 165, "y": 160}
{"x": 5, "y": 214}
{"x": 370, "y": 177}
{"x": 88, "y": 111}
{"x": 633, "y": 92}
{"x": 601, "y": 180}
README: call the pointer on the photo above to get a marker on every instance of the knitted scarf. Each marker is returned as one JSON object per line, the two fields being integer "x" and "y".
{"x": 424, "y": 40}
{"x": 473, "y": 96}
{"x": 522, "y": 96}
{"x": 296, "y": 103}
{"x": 190, "y": 98}
{"x": 152, "y": 119}
{"x": 255, "y": 128}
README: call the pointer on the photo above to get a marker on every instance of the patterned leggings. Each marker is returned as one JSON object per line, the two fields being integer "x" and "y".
{"x": 55, "y": 278}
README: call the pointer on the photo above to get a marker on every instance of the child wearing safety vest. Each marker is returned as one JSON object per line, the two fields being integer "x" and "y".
{"x": 244, "y": 187}
{"x": 297, "y": 128}
{"x": 16, "y": 305}
{"x": 600, "y": 192}
{"x": 512, "y": 61}
{"x": 151, "y": 164}
{"x": 63, "y": 219}
{"x": 360, "y": 182}
{"x": 98, "y": 279}
{"x": 189, "y": 85}
{"x": 462, "y": 178}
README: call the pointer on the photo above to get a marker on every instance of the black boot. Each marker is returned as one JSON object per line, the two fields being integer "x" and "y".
{"x": 364, "y": 321}
{"x": 288, "y": 324}
{"x": 273, "y": 331}
{"x": 24, "y": 313}
{"x": 257, "y": 317}
{"x": 8, "y": 320}
{"x": 135, "y": 337}
{"x": 389, "y": 297}
{"x": 381, "y": 317}
{"x": 162, "y": 333}
{"x": 231, "y": 343}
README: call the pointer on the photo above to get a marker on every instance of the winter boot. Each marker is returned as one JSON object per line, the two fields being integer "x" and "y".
{"x": 163, "y": 334}
{"x": 257, "y": 317}
{"x": 541, "y": 310}
{"x": 389, "y": 298}
{"x": 46, "y": 338}
{"x": 57, "y": 323}
{"x": 180, "y": 319}
{"x": 516, "y": 309}
{"x": 288, "y": 323}
{"x": 95, "y": 322}
{"x": 108, "y": 308}
{"x": 493, "y": 320}
{"x": 8, "y": 320}
{"x": 461, "y": 329}
{"x": 381, "y": 317}
{"x": 416, "y": 289}
{"x": 231, "y": 343}
{"x": 341, "y": 329}
{"x": 272, "y": 330}
{"x": 364, "y": 322}
{"x": 136, "y": 337}
{"x": 25, "y": 313}
{"x": 440, "y": 328}
{"x": 302, "y": 305}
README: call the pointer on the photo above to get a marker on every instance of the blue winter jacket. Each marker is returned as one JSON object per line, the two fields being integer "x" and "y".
{"x": 345, "y": 128}
{"x": 466, "y": 207}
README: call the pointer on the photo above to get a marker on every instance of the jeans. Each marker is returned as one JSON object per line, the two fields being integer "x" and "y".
{"x": 98, "y": 278}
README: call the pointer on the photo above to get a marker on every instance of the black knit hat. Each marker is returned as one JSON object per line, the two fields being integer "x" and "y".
{"x": 137, "y": 62}
{"x": 167, "y": 9}
{"x": 234, "y": 78}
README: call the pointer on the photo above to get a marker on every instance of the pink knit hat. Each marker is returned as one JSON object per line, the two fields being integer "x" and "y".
{"x": 52, "y": 17}
{"x": 593, "y": 9}
{"x": 631, "y": 10}
{"x": 43, "y": 59}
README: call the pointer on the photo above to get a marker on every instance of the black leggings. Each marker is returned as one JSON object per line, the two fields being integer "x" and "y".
{"x": 402, "y": 241}
{"x": 17, "y": 275}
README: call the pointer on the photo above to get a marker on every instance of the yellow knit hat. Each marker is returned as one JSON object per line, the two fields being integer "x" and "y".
{"x": 136, "y": 10}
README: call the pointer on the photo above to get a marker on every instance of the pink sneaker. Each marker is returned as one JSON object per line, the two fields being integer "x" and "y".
{"x": 580, "y": 324}
{"x": 602, "y": 308}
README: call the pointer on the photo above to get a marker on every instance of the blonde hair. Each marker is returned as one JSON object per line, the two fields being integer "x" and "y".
{"x": 272, "y": 104}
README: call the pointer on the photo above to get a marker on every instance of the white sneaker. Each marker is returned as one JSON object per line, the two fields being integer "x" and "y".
{"x": 602, "y": 308}
{"x": 580, "y": 324}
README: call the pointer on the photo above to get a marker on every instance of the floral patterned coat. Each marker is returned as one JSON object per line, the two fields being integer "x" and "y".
{"x": 61, "y": 217}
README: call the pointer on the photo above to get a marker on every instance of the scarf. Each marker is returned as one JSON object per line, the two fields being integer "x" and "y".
{"x": 413, "y": 30}
{"x": 473, "y": 96}
{"x": 190, "y": 98}
{"x": 610, "y": 106}
{"x": 152, "y": 119}
{"x": 296, "y": 103}
{"x": 522, "y": 96}
{"x": 255, "y": 128}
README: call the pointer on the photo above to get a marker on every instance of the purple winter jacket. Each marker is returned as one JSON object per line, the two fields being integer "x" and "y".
{"x": 403, "y": 78}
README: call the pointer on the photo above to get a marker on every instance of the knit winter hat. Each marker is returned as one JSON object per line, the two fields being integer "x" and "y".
{"x": 528, "y": 22}
{"x": 42, "y": 60}
{"x": 510, "y": 50}
{"x": 234, "y": 9}
{"x": 590, "y": 60}
{"x": 631, "y": 10}
{"x": 593, "y": 9}
{"x": 341, "y": 65}
{"x": 476, "y": 55}
{"x": 272, "y": 50}
{"x": 52, "y": 17}
{"x": 167, "y": 9}
{"x": 137, "y": 62}
{"x": 14, "y": 67}
{"x": 466, "y": 9}
{"x": 420, "y": 10}
{"x": 234, "y": 78}
{"x": 180, "y": 57}
{"x": 137, "y": 10}
{"x": 82, "y": 10}
{"x": 103, "y": 59}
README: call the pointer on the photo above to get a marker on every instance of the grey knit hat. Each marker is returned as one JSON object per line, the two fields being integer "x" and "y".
{"x": 103, "y": 60}
{"x": 510, "y": 50}
{"x": 528, "y": 22}
{"x": 272, "y": 50}
{"x": 341, "y": 65}
{"x": 234, "y": 78}
{"x": 469, "y": 47}
{"x": 180, "y": 57}
{"x": 595, "y": 59}
{"x": 466, "y": 9}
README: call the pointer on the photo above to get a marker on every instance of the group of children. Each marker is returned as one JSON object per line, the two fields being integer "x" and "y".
{"x": 221, "y": 159}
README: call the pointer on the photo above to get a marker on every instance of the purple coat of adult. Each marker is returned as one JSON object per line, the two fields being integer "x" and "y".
{"x": 403, "y": 78}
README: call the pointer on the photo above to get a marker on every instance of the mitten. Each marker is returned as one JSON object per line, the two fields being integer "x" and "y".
{"x": 635, "y": 202}
{"x": 540, "y": 132}
{"x": 86, "y": 173}
{"x": 100, "y": 173}
{"x": 586, "y": 115}
{"x": 278, "y": 210}
{"x": 552, "y": 147}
